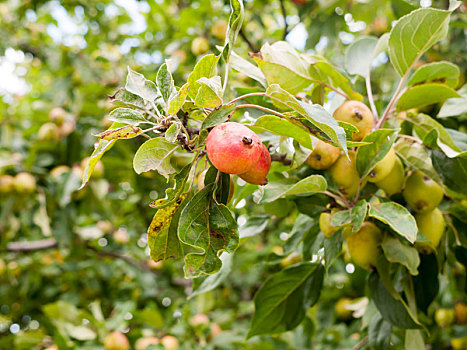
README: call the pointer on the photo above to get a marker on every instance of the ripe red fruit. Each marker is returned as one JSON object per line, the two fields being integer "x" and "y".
{"x": 257, "y": 174}
{"x": 233, "y": 148}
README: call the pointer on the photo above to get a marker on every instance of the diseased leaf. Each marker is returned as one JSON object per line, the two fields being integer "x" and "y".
{"x": 127, "y": 116}
{"x": 396, "y": 252}
{"x": 165, "y": 82}
{"x": 426, "y": 94}
{"x": 368, "y": 156}
{"x": 155, "y": 154}
{"x": 310, "y": 184}
{"x": 397, "y": 217}
{"x": 283, "y": 300}
{"x": 208, "y": 228}
{"x": 123, "y": 95}
{"x": 121, "y": 132}
{"x": 414, "y": 34}
{"x": 137, "y": 84}
{"x": 172, "y": 132}
{"x": 162, "y": 233}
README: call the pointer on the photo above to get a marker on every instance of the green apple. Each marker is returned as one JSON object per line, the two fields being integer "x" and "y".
{"x": 394, "y": 181}
{"x": 343, "y": 312}
{"x": 219, "y": 29}
{"x": 48, "y": 132}
{"x": 422, "y": 193}
{"x": 323, "y": 156}
{"x": 432, "y": 225}
{"x": 24, "y": 183}
{"x": 357, "y": 114}
{"x": 383, "y": 167}
{"x": 6, "y": 184}
{"x": 199, "y": 46}
{"x": 444, "y": 317}
{"x": 325, "y": 223}
{"x": 364, "y": 245}
{"x": 344, "y": 173}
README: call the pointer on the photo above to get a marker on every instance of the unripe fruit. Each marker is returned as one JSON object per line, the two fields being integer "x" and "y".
{"x": 343, "y": 312}
{"x": 215, "y": 330}
{"x": 24, "y": 183}
{"x": 323, "y": 156}
{"x": 199, "y": 46}
{"x": 57, "y": 115}
{"x": 357, "y": 114}
{"x": 6, "y": 184}
{"x": 48, "y": 132}
{"x": 432, "y": 225}
{"x": 116, "y": 341}
{"x": 383, "y": 167}
{"x": 394, "y": 181}
{"x": 98, "y": 171}
{"x": 199, "y": 319}
{"x": 325, "y": 223}
{"x": 219, "y": 29}
{"x": 201, "y": 185}
{"x": 105, "y": 226}
{"x": 59, "y": 170}
{"x": 2, "y": 267}
{"x": 363, "y": 245}
{"x": 344, "y": 173}
{"x": 66, "y": 128}
{"x": 153, "y": 265}
{"x": 169, "y": 342}
{"x": 233, "y": 148}
{"x": 422, "y": 193}
{"x": 460, "y": 311}
{"x": 444, "y": 317}
{"x": 291, "y": 259}
{"x": 459, "y": 343}
{"x": 143, "y": 343}
{"x": 258, "y": 172}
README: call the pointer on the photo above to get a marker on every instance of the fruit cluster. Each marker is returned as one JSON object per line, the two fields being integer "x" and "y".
{"x": 421, "y": 193}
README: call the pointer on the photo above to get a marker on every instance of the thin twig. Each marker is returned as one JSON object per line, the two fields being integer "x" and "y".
{"x": 284, "y": 15}
{"x": 361, "y": 344}
{"x": 262, "y": 108}
{"x": 32, "y": 245}
{"x": 282, "y": 158}
{"x": 248, "y": 42}
{"x": 411, "y": 138}
{"x": 337, "y": 91}
{"x": 370, "y": 97}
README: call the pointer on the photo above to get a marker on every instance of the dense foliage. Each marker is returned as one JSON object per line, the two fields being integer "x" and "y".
{"x": 114, "y": 219}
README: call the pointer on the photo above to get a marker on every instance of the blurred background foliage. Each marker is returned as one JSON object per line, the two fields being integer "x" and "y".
{"x": 58, "y": 61}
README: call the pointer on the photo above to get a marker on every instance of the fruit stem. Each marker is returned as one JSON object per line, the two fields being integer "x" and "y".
{"x": 370, "y": 97}
{"x": 262, "y": 108}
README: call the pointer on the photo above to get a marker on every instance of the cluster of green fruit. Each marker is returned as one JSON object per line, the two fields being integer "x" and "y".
{"x": 61, "y": 125}
{"x": 420, "y": 192}
{"x": 200, "y": 45}
{"x": 457, "y": 316}
{"x": 22, "y": 183}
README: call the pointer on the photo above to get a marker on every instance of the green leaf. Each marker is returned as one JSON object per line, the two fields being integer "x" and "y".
{"x": 426, "y": 94}
{"x": 254, "y": 225}
{"x": 155, "y": 154}
{"x": 332, "y": 248}
{"x": 337, "y": 79}
{"x": 177, "y": 100}
{"x": 402, "y": 7}
{"x": 310, "y": 184}
{"x": 415, "y": 155}
{"x": 379, "y": 332}
{"x": 205, "y": 68}
{"x": 208, "y": 228}
{"x": 414, "y": 34}
{"x": 396, "y": 252}
{"x": 452, "y": 170}
{"x": 455, "y": 106}
{"x": 249, "y": 69}
{"x": 358, "y": 214}
{"x": 209, "y": 93}
{"x": 137, "y": 84}
{"x": 122, "y": 95}
{"x": 391, "y": 309}
{"x": 218, "y": 116}
{"x": 426, "y": 283}
{"x": 235, "y": 24}
{"x": 397, "y": 217}
{"x": 205, "y": 284}
{"x": 368, "y": 156}
{"x": 414, "y": 340}
{"x": 424, "y": 124}
{"x": 127, "y": 116}
{"x": 340, "y": 218}
{"x": 443, "y": 72}
{"x": 359, "y": 55}
{"x": 165, "y": 82}
{"x": 284, "y": 127}
{"x": 162, "y": 233}
{"x": 102, "y": 147}
{"x": 283, "y": 300}
{"x": 315, "y": 114}
{"x": 172, "y": 132}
